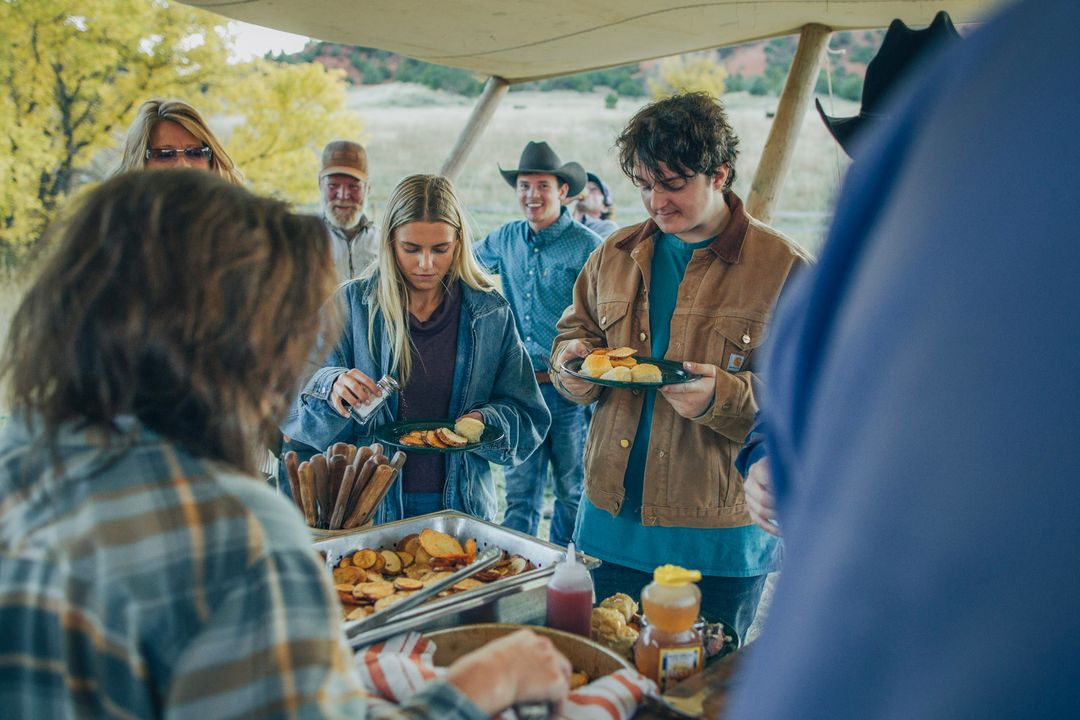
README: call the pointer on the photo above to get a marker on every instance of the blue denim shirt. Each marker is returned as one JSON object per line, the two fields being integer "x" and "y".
{"x": 492, "y": 376}
{"x": 538, "y": 272}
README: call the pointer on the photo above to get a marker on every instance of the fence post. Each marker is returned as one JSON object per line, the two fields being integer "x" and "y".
{"x": 494, "y": 90}
{"x": 779, "y": 149}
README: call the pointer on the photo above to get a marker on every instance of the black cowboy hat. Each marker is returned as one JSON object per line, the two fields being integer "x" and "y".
{"x": 899, "y": 51}
{"x": 538, "y": 157}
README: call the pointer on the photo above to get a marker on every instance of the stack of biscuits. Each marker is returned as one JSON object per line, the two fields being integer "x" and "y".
{"x": 619, "y": 364}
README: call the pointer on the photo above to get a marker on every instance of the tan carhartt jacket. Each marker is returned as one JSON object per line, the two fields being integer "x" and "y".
{"x": 720, "y": 317}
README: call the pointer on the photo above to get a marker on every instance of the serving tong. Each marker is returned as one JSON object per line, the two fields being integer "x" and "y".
{"x": 488, "y": 558}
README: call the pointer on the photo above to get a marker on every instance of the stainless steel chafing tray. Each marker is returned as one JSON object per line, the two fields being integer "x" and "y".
{"x": 517, "y": 599}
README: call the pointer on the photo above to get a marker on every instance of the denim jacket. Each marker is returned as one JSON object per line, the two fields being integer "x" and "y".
{"x": 492, "y": 375}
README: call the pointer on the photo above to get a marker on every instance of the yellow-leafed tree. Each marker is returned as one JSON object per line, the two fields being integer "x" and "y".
{"x": 290, "y": 112}
{"x": 684, "y": 73}
{"x": 74, "y": 72}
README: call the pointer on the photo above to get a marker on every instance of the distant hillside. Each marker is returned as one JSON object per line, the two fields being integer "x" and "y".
{"x": 758, "y": 68}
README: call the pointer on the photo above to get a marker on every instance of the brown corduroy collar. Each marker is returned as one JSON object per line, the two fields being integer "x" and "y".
{"x": 727, "y": 245}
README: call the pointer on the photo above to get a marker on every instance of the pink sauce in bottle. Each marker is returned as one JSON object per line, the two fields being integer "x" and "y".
{"x": 570, "y": 596}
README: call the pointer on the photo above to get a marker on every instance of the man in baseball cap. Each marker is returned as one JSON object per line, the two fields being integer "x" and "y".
{"x": 343, "y": 186}
{"x": 593, "y": 208}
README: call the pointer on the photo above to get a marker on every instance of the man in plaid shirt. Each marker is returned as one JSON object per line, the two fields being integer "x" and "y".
{"x": 144, "y": 572}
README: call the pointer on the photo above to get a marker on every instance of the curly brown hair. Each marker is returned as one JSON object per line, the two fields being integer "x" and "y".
{"x": 689, "y": 132}
{"x": 180, "y": 299}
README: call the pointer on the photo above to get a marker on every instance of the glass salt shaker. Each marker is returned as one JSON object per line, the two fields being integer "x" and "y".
{"x": 362, "y": 413}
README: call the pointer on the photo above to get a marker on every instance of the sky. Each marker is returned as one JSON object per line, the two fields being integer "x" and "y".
{"x": 254, "y": 41}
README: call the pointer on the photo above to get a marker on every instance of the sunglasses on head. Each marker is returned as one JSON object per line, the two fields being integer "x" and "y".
{"x": 172, "y": 154}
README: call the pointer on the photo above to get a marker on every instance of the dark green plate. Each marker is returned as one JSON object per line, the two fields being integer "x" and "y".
{"x": 671, "y": 372}
{"x": 391, "y": 434}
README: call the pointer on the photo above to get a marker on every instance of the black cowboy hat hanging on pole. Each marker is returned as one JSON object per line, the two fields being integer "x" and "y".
{"x": 901, "y": 49}
{"x": 538, "y": 157}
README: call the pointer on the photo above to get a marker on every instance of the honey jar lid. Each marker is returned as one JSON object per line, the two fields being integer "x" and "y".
{"x": 675, "y": 576}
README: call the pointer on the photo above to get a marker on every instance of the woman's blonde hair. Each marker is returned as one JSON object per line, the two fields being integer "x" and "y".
{"x": 417, "y": 198}
{"x": 152, "y": 112}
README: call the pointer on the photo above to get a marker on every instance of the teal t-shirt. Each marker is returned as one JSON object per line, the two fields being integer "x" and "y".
{"x": 623, "y": 540}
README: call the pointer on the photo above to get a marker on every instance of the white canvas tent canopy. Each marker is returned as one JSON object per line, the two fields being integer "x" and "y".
{"x": 513, "y": 41}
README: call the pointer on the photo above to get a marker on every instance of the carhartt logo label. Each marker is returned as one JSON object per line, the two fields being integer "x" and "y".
{"x": 735, "y": 362}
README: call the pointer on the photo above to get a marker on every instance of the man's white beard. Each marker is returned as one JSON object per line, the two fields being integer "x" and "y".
{"x": 345, "y": 221}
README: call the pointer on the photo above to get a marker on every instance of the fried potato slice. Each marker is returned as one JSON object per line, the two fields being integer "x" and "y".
{"x": 451, "y": 562}
{"x": 416, "y": 572}
{"x": 405, "y": 583}
{"x": 451, "y": 438}
{"x": 621, "y": 352}
{"x": 375, "y": 590}
{"x": 432, "y": 440}
{"x": 365, "y": 559}
{"x": 345, "y": 594}
{"x": 403, "y": 543}
{"x": 470, "y": 551}
{"x": 518, "y": 565}
{"x": 412, "y": 439}
{"x": 422, "y": 556}
{"x": 488, "y": 575}
{"x": 360, "y": 612}
{"x": 467, "y": 584}
{"x": 345, "y": 561}
{"x": 600, "y": 351}
{"x": 439, "y": 544}
{"x": 383, "y": 603}
{"x": 392, "y": 563}
{"x": 407, "y": 558}
{"x": 347, "y": 575}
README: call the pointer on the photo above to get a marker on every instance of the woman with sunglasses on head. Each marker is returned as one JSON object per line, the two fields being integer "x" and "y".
{"x": 429, "y": 316}
{"x": 145, "y": 572}
{"x": 172, "y": 134}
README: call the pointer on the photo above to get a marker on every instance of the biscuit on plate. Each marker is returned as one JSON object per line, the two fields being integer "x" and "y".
{"x": 620, "y": 374}
{"x": 646, "y": 373}
{"x": 595, "y": 365}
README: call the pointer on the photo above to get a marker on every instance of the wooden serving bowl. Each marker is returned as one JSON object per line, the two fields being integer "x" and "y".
{"x": 585, "y": 655}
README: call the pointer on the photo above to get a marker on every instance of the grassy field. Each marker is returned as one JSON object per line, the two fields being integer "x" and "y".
{"x": 411, "y": 129}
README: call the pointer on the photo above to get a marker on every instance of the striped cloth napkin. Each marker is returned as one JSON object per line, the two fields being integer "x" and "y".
{"x": 398, "y": 668}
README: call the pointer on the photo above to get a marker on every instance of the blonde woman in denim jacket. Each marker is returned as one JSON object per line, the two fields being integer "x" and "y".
{"x": 429, "y": 316}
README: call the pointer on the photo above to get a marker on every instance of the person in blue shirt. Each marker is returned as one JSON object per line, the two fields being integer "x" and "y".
{"x": 594, "y": 207}
{"x": 538, "y": 259}
{"x": 922, "y": 413}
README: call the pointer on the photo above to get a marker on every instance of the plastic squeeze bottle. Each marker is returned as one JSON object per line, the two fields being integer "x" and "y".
{"x": 669, "y": 649}
{"x": 570, "y": 596}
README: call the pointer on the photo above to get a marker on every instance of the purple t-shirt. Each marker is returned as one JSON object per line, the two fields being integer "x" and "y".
{"x": 426, "y": 396}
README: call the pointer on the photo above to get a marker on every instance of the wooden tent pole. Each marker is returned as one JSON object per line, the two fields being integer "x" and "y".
{"x": 494, "y": 90}
{"x": 779, "y": 149}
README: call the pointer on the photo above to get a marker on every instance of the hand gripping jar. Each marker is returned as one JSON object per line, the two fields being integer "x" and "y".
{"x": 669, "y": 649}
{"x": 387, "y": 387}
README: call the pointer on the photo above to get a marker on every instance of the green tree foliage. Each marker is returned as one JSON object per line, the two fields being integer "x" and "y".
{"x": 626, "y": 80}
{"x": 74, "y": 72}
{"x": 439, "y": 77}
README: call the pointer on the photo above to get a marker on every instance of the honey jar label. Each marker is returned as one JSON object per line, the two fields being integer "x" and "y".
{"x": 678, "y": 664}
